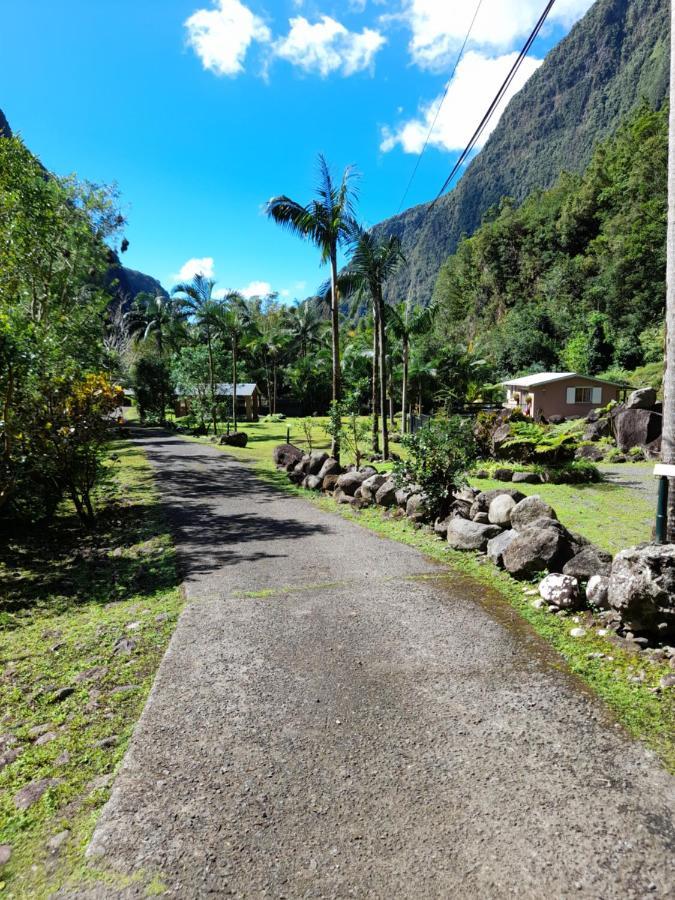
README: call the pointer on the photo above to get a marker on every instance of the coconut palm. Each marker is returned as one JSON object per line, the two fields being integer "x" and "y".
{"x": 372, "y": 261}
{"x": 327, "y": 221}
{"x": 406, "y": 321}
{"x": 197, "y": 302}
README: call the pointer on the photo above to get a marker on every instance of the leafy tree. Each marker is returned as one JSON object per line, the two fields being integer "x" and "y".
{"x": 406, "y": 321}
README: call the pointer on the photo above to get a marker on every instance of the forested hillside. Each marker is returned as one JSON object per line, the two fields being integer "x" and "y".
{"x": 575, "y": 276}
{"x": 612, "y": 60}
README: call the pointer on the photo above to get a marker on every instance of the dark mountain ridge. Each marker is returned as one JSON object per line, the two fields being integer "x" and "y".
{"x": 615, "y": 57}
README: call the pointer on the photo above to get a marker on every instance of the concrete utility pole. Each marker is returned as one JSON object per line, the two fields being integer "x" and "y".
{"x": 668, "y": 440}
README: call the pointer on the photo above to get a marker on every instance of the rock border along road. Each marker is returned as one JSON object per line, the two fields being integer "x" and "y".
{"x": 335, "y": 718}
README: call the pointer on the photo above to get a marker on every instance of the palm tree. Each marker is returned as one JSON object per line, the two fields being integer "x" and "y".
{"x": 372, "y": 261}
{"x": 305, "y": 324}
{"x": 270, "y": 340}
{"x": 159, "y": 316}
{"x": 406, "y": 321}
{"x": 232, "y": 320}
{"x": 327, "y": 221}
{"x": 196, "y": 301}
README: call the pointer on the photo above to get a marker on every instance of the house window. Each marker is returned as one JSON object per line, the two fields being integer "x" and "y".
{"x": 584, "y": 395}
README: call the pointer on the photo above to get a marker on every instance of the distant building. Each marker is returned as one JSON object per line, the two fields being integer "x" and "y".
{"x": 559, "y": 394}
{"x": 248, "y": 399}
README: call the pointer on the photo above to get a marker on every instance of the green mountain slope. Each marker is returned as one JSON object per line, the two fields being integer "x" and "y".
{"x": 616, "y": 56}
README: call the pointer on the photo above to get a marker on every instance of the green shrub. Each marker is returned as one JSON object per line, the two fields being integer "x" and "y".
{"x": 531, "y": 442}
{"x": 439, "y": 454}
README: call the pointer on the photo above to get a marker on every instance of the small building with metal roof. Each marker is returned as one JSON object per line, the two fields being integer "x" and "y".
{"x": 567, "y": 394}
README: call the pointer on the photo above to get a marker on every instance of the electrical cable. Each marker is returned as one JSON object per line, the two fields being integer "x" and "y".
{"x": 445, "y": 94}
{"x": 496, "y": 101}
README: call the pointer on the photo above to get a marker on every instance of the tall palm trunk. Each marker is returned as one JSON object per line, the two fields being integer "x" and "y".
{"x": 404, "y": 388}
{"x": 234, "y": 384}
{"x": 383, "y": 376}
{"x": 212, "y": 387}
{"x": 335, "y": 335}
{"x": 274, "y": 376}
{"x": 375, "y": 445}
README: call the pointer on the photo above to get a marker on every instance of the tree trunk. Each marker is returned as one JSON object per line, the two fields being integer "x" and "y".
{"x": 668, "y": 438}
{"x": 214, "y": 416}
{"x": 383, "y": 377}
{"x": 234, "y": 384}
{"x": 404, "y": 389}
{"x": 335, "y": 335}
{"x": 375, "y": 445}
{"x": 274, "y": 394}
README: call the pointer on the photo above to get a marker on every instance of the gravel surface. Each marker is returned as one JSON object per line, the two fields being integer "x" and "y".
{"x": 336, "y": 718}
{"x": 639, "y": 478}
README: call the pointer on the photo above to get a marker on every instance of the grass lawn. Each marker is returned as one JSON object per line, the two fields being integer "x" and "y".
{"x": 612, "y": 516}
{"x": 609, "y": 514}
{"x": 85, "y": 619}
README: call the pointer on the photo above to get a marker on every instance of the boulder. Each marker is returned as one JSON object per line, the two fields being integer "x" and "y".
{"x": 560, "y": 590}
{"x": 329, "y": 483}
{"x": 316, "y": 460}
{"x": 642, "y": 588}
{"x": 590, "y": 453}
{"x": 341, "y": 497}
{"x": 296, "y": 477}
{"x": 643, "y": 398}
{"x": 543, "y": 545}
{"x": 597, "y": 430}
{"x": 386, "y": 494}
{"x": 441, "y": 527}
{"x": 234, "y": 439}
{"x": 367, "y": 471}
{"x": 590, "y": 561}
{"x": 466, "y": 535}
{"x": 499, "y": 512}
{"x": 349, "y": 481}
{"x": 597, "y": 591}
{"x": 402, "y": 497}
{"x": 286, "y": 454}
{"x": 500, "y": 435}
{"x": 303, "y": 465}
{"x": 481, "y": 474}
{"x": 497, "y": 545}
{"x": 358, "y": 493}
{"x": 556, "y": 420}
{"x": 636, "y": 428}
{"x": 503, "y": 474}
{"x": 371, "y": 485}
{"x": 330, "y": 467}
{"x": 415, "y": 508}
{"x": 653, "y": 450}
{"x": 526, "y": 478}
{"x": 312, "y": 482}
{"x": 485, "y": 498}
{"x": 481, "y": 518}
{"x": 529, "y": 509}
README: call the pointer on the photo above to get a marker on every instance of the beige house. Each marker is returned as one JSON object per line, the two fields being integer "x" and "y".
{"x": 559, "y": 394}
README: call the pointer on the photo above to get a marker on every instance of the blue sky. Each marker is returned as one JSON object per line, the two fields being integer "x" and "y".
{"x": 202, "y": 110}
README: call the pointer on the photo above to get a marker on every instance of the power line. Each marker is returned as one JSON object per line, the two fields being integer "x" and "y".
{"x": 445, "y": 94}
{"x": 495, "y": 103}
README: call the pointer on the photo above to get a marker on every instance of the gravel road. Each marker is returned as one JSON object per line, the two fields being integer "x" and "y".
{"x": 335, "y": 717}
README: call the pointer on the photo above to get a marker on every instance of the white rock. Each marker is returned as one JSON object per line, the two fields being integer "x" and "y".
{"x": 577, "y": 632}
{"x": 499, "y": 512}
{"x": 596, "y": 591}
{"x": 560, "y": 590}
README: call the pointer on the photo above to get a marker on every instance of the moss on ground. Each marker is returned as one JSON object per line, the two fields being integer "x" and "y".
{"x": 609, "y": 514}
{"x": 87, "y": 611}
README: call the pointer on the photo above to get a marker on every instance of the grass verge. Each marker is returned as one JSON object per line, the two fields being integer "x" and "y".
{"x": 86, "y": 618}
{"x": 609, "y": 514}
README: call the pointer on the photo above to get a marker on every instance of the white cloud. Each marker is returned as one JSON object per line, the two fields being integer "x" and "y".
{"x": 221, "y": 36}
{"x": 256, "y": 289}
{"x": 472, "y": 90}
{"x": 438, "y": 28}
{"x": 327, "y": 46}
{"x": 195, "y": 266}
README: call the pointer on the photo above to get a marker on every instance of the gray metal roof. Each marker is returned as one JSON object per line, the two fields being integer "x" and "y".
{"x": 542, "y": 378}
{"x": 222, "y": 390}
